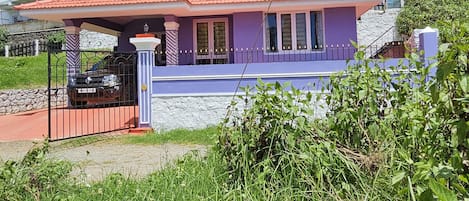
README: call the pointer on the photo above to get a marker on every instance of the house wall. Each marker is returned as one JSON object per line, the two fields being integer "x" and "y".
{"x": 373, "y": 26}
{"x": 246, "y": 36}
{"x": 136, "y": 26}
{"x": 248, "y": 30}
{"x": 189, "y": 96}
{"x": 340, "y": 26}
{"x": 197, "y": 96}
{"x": 339, "y": 29}
{"x": 195, "y": 112}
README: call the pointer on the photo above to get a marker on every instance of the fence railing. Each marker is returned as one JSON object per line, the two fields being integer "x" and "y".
{"x": 29, "y": 48}
{"x": 387, "y": 37}
{"x": 260, "y": 55}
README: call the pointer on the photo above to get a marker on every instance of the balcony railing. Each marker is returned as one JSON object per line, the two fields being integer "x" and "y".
{"x": 260, "y": 55}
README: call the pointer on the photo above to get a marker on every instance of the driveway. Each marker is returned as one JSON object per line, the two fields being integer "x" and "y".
{"x": 66, "y": 123}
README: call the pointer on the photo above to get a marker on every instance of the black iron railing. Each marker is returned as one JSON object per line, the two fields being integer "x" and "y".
{"x": 29, "y": 48}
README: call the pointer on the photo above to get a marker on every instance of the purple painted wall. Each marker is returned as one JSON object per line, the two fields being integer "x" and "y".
{"x": 136, "y": 26}
{"x": 221, "y": 85}
{"x": 340, "y": 25}
{"x": 339, "y": 29}
{"x": 186, "y": 34}
{"x": 247, "y": 30}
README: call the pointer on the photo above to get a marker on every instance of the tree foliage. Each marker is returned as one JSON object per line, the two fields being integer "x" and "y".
{"x": 418, "y": 14}
{"x": 3, "y": 37}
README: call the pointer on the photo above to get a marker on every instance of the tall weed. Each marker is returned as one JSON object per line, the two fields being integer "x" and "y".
{"x": 35, "y": 177}
{"x": 272, "y": 152}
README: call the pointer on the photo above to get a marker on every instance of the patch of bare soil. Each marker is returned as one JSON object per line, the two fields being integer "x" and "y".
{"x": 92, "y": 162}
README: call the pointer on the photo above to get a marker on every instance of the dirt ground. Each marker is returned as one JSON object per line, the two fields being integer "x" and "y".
{"x": 93, "y": 161}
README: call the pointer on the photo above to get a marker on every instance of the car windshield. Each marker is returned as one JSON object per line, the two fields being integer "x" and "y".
{"x": 99, "y": 65}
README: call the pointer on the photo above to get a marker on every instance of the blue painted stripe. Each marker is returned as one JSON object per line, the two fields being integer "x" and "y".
{"x": 229, "y": 85}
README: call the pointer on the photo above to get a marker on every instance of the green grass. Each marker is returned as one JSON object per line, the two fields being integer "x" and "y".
{"x": 192, "y": 178}
{"x": 28, "y": 72}
{"x": 179, "y": 136}
{"x": 81, "y": 141}
{"x": 31, "y": 72}
{"x": 23, "y": 72}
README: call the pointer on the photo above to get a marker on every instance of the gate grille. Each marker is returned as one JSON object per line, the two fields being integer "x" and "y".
{"x": 99, "y": 95}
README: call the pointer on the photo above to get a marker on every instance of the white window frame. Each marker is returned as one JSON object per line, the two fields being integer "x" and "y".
{"x": 211, "y": 44}
{"x": 293, "y": 34}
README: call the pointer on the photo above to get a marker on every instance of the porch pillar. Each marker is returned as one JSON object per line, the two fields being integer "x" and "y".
{"x": 428, "y": 43}
{"x": 145, "y": 61}
{"x": 72, "y": 48}
{"x": 172, "y": 38}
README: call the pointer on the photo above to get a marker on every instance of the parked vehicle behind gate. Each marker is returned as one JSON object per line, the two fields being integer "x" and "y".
{"x": 111, "y": 80}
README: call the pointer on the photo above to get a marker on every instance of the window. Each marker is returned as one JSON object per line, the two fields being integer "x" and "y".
{"x": 393, "y": 3}
{"x": 293, "y": 31}
{"x": 211, "y": 41}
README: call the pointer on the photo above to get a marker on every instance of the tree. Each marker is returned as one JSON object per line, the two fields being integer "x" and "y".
{"x": 3, "y": 37}
{"x": 418, "y": 14}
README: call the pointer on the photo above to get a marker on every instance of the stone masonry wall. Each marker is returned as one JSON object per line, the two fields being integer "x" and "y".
{"x": 94, "y": 40}
{"x": 195, "y": 112}
{"x": 22, "y": 100}
{"x": 374, "y": 23}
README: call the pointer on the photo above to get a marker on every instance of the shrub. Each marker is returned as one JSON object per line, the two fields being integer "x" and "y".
{"x": 418, "y": 14}
{"x": 56, "y": 38}
{"x": 3, "y": 37}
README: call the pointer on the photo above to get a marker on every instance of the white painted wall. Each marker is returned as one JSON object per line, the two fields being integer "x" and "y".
{"x": 194, "y": 112}
{"x": 374, "y": 23}
{"x": 5, "y": 17}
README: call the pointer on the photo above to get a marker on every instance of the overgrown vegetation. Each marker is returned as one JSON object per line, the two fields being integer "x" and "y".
{"x": 35, "y": 177}
{"x": 417, "y": 14}
{"x": 390, "y": 134}
{"x": 3, "y": 37}
{"x": 57, "y": 37}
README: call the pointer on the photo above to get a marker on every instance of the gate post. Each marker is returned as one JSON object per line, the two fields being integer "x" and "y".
{"x": 145, "y": 47}
{"x": 428, "y": 43}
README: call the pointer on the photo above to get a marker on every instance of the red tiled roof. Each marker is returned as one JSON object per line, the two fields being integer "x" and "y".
{"x": 46, "y": 4}
{"x": 82, "y": 3}
{"x": 222, "y": 1}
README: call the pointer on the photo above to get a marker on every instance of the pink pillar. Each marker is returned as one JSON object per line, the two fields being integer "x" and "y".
{"x": 172, "y": 38}
{"x": 72, "y": 48}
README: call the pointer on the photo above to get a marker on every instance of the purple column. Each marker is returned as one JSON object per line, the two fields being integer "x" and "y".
{"x": 72, "y": 47}
{"x": 428, "y": 43}
{"x": 145, "y": 63}
{"x": 172, "y": 46}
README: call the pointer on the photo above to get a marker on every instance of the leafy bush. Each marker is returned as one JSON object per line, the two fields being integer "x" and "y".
{"x": 56, "y": 38}
{"x": 418, "y": 14}
{"x": 3, "y": 37}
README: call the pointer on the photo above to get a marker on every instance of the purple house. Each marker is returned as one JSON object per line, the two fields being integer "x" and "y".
{"x": 206, "y": 45}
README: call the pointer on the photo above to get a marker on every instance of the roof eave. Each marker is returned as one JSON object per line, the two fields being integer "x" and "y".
{"x": 182, "y": 9}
